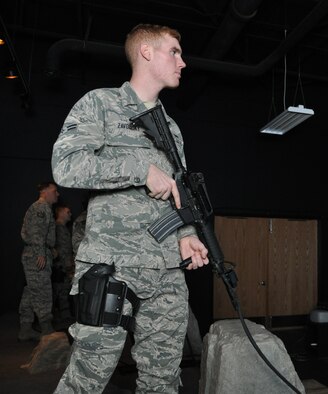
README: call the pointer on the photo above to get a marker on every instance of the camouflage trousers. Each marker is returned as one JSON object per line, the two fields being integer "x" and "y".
{"x": 37, "y": 294}
{"x": 161, "y": 325}
{"x": 61, "y": 304}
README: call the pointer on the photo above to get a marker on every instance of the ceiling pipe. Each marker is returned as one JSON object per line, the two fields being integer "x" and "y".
{"x": 238, "y": 15}
{"x": 61, "y": 48}
{"x": 236, "y": 18}
{"x": 306, "y": 25}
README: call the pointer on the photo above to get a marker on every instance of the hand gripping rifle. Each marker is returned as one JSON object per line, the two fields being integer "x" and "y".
{"x": 195, "y": 208}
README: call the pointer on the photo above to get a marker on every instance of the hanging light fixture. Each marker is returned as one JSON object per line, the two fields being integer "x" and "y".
{"x": 288, "y": 119}
{"x": 15, "y": 69}
{"x": 11, "y": 75}
{"x": 2, "y": 41}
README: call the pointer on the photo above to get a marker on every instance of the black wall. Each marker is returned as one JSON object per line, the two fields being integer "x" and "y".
{"x": 247, "y": 173}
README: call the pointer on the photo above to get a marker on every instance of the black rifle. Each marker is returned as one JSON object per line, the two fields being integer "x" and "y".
{"x": 195, "y": 208}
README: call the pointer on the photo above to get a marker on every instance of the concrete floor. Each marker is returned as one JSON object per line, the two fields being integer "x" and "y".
{"x": 17, "y": 380}
{"x": 311, "y": 367}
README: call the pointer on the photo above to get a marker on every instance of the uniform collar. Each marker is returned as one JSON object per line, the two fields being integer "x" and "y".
{"x": 130, "y": 98}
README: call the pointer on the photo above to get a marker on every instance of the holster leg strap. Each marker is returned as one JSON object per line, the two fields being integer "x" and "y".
{"x": 117, "y": 292}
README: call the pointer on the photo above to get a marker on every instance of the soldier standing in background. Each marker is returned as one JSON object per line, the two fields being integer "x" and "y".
{"x": 63, "y": 267}
{"x": 38, "y": 234}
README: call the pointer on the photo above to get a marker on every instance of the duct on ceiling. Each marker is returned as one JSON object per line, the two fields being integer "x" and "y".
{"x": 60, "y": 49}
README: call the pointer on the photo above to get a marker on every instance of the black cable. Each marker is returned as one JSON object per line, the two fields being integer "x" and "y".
{"x": 299, "y": 84}
{"x": 36, "y": 18}
{"x": 14, "y": 58}
{"x": 236, "y": 305}
{"x": 272, "y": 106}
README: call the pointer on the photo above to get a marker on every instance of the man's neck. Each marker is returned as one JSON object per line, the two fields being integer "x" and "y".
{"x": 149, "y": 104}
{"x": 42, "y": 199}
{"x": 143, "y": 90}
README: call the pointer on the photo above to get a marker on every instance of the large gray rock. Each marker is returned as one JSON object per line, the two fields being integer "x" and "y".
{"x": 193, "y": 343}
{"x": 231, "y": 365}
{"x": 51, "y": 353}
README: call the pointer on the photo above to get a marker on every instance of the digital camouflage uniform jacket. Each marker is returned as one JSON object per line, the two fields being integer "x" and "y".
{"x": 38, "y": 230}
{"x": 98, "y": 148}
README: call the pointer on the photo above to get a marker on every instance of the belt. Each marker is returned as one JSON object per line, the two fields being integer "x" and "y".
{"x": 31, "y": 245}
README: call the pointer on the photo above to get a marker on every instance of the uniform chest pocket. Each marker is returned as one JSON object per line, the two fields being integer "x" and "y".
{"x": 127, "y": 142}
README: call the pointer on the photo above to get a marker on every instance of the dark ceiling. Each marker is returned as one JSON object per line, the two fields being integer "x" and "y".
{"x": 230, "y": 37}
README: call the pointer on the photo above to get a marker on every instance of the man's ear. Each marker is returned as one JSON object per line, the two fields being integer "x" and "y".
{"x": 145, "y": 51}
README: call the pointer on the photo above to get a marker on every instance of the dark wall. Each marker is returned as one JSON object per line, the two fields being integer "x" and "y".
{"x": 247, "y": 173}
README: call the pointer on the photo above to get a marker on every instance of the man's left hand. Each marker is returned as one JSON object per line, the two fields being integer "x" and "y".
{"x": 192, "y": 247}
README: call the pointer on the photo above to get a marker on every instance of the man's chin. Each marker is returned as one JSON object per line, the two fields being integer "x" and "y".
{"x": 173, "y": 85}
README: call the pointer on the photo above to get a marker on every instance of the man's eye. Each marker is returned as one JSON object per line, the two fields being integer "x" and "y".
{"x": 173, "y": 51}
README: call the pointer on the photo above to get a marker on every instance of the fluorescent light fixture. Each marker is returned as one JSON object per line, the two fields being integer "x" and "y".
{"x": 288, "y": 119}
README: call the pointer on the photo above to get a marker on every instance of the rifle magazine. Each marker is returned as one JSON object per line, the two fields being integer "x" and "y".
{"x": 165, "y": 225}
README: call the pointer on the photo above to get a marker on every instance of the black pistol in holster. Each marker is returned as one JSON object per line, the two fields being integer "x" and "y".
{"x": 195, "y": 208}
{"x": 101, "y": 299}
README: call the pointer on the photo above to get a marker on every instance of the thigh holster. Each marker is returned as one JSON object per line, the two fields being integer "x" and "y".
{"x": 101, "y": 299}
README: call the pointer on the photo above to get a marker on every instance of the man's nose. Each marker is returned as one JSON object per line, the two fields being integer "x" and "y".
{"x": 182, "y": 64}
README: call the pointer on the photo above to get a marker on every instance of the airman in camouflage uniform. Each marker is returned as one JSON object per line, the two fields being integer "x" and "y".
{"x": 63, "y": 266}
{"x": 99, "y": 149}
{"x": 38, "y": 234}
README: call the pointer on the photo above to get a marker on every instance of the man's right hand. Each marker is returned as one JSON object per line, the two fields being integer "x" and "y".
{"x": 161, "y": 186}
{"x": 41, "y": 262}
